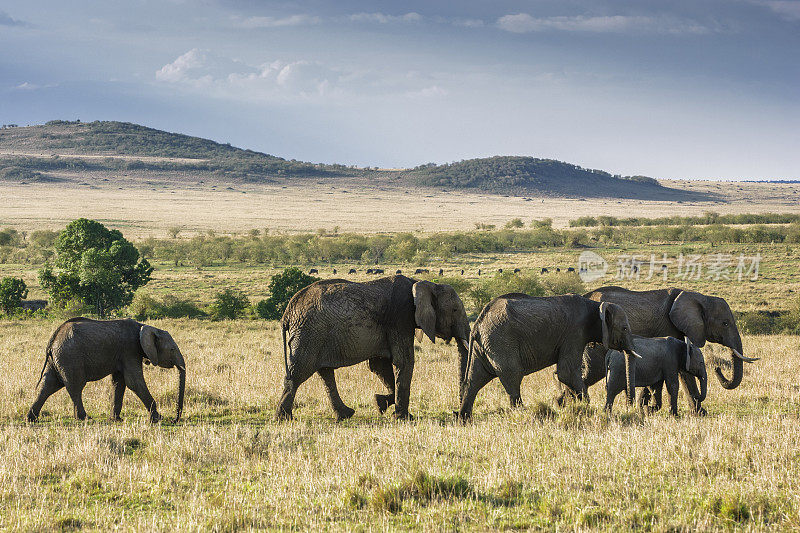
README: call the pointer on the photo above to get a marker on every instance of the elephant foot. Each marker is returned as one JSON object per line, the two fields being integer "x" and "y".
{"x": 282, "y": 415}
{"x": 155, "y": 418}
{"x": 462, "y": 418}
{"x": 383, "y": 401}
{"x": 116, "y": 418}
{"x": 32, "y": 417}
{"x": 700, "y": 411}
{"x": 344, "y": 413}
{"x": 404, "y": 416}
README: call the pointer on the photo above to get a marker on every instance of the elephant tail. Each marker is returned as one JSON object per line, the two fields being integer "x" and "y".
{"x": 48, "y": 356}
{"x": 284, "y": 329}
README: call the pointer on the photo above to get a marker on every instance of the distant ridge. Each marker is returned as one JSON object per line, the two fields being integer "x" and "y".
{"x": 67, "y": 147}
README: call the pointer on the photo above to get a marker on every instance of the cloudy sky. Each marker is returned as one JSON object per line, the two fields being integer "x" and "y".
{"x": 670, "y": 88}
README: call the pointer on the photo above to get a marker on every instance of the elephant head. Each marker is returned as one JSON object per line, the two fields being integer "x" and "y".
{"x": 439, "y": 312}
{"x": 704, "y": 318}
{"x": 162, "y": 350}
{"x": 695, "y": 365}
{"x": 617, "y": 336}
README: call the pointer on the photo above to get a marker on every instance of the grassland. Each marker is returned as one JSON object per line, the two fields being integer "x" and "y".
{"x": 228, "y": 466}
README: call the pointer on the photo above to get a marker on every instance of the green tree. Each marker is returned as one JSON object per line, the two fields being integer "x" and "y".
{"x": 230, "y": 304}
{"x": 96, "y": 266}
{"x": 281, "y": 289}
{"x": 12, "y": 292}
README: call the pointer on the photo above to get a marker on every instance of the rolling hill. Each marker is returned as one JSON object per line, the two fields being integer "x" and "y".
{"x": 59, "y": 148}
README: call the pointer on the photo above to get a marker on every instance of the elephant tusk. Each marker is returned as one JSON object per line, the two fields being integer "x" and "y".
{"x": 743, "y": 358}
{"x": 636, "y": 354}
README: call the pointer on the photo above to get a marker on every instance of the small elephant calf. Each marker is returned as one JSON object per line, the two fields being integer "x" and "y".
{"x": 82, "y": 350}
{"x": 662, "y": 359}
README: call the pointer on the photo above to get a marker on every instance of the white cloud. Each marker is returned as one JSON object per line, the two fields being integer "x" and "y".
{"x": 381, "y": 18}
{"x": 790, "y": 10}
{"x": 7, "y": 20}
{"x": 525, "y": 23}
{"x": 468, "y": 23}
{"x": 204, "y": 71}
{"x": 276, "y": 22}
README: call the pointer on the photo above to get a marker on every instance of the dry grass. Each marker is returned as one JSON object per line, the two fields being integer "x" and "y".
{"x": 229, "y": 466}
{"x": 143, "y": 204}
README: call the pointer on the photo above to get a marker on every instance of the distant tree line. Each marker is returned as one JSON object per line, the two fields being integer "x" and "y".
{"x": 707, "y": 218}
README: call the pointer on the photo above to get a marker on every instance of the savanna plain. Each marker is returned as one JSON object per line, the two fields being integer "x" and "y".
{"x": 228, "y": 465}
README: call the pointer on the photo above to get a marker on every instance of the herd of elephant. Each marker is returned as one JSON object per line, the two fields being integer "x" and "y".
{"x": 634, "y": 339}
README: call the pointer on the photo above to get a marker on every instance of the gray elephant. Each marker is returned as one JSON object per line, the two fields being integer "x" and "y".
{"x": 516, "y": 335}
{"x": 82, "y": 350}
{"x": 673, "y": 313}
{"x": 663, "y": 358}
{"x": 336, "y": 323}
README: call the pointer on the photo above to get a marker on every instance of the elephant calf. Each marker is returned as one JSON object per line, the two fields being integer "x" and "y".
{"x": 662, "y": 360}
{"x": 82, "y": 350}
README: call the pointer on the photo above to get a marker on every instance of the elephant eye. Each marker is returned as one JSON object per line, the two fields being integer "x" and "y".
{"x": 725, "y": 323}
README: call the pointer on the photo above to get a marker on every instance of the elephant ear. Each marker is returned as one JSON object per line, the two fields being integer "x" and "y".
{"x": 604, "y": 317}
{"x": 148, "y": 337}
{"x": 424, "y": 313}
{"x": 688, "y": 315}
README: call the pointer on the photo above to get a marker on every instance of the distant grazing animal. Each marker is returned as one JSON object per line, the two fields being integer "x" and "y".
{"x": 545, "y": 271}
{"x": 500, "y": 270}
{"x": 571, "y": 269}
{"x": 33, "y": 305}
{"x": 462, "y": 271}
{"x": 313, "y": 271}
{"x": 334, "y": 271}
{"x": 82, "y": 350}
{"x": 479, "y": 271}
{"x": 558, "y": 269}
{"x": 517, "y": 271}
{"x": 398, "y": 271}
{"x": 377, "y": 271}
{"x": 441, "y": 271}
{"x": 421, "y": 271}
{"x": 351, "y": 271}
{"x": 336, "y": 323}
{"x": 370, "y": 270}
{"x": 663, "y": 358}
{"x": 516, "y": 335}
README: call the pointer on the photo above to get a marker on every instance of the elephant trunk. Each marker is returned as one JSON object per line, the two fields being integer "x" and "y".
{"x": 630, "y": 376}
{"x": 181, "y": 387}
{"x": 738, "y": 366}
{"x": 703, "y": 379}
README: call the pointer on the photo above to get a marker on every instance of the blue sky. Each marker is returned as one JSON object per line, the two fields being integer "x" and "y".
{"x": 673, "y": 89}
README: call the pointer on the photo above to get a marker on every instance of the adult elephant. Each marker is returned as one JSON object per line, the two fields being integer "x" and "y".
{"x": 676, "y": 313}
{"x": 82, "y": 350}
{"x": 336, "y": 323}
{"x": 516, "y": 335}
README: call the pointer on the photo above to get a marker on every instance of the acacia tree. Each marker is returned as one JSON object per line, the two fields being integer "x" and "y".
{"x": 282, "y": 287}
{"x": 94, "y": 265}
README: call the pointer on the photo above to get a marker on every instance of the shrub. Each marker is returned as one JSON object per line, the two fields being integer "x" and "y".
{"x": 229, "y": 304}
{"x": 503, "y": 283}
{"x": 514, "y": 223}
{"x": 281, "y": 288}
{"x": 12, "y": 292}
{"x": 563, "y": 283}
{"x": 146, "y": 307}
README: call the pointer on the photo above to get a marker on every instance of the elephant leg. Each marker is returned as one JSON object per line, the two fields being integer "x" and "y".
{"x": 297, "y": 375}
{"x": 382, "y": 367}
{"x": 329, "y": 379}
{"x": 75, "y": 391}
{"x": 477, "y": 378}
{"x": 512, "y": 380}
{"x": 672, "y": 392}
{"x": 118, "y": 384}
{"x": 657, "y": 391}
{"x": 689, "y": 385}
{"x": 593, "y": 369}
{"x": 570, "y": 375}
{"x": 644, "y": 398}
{"x": 134, "y": 380}
{"x": 49, "y": 384}
{"x": 402, "y": 392}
